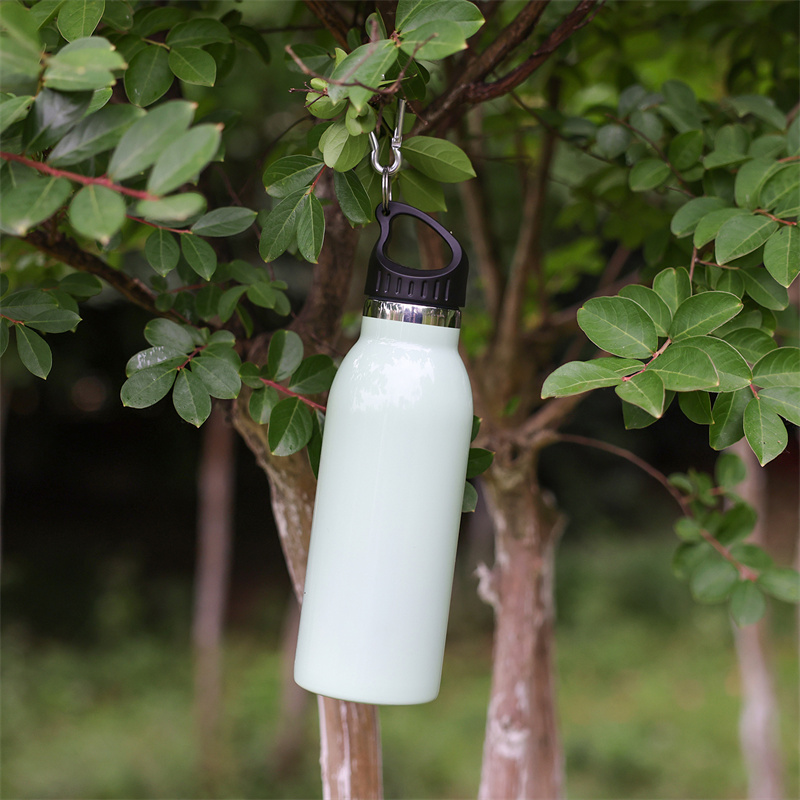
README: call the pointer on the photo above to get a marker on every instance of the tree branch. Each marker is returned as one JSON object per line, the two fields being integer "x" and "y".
{"x": 574, "y": 21}
{"x": 327, "y": 13}
{"x": 446, "y": 105}
{"x": 69, "y": 252}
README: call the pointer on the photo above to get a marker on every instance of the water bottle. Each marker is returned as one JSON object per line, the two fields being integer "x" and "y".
{"x": 390, "y": 488}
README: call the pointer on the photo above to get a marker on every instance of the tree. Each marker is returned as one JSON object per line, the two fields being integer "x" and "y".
{"x": 653, "y": 226}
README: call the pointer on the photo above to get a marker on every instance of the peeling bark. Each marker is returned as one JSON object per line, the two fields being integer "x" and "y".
{"x": 758, "y": 718}
{"x": 522, "y": 751}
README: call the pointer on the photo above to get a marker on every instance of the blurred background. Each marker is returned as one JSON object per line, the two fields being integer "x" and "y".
{"x": 99, "y": 552}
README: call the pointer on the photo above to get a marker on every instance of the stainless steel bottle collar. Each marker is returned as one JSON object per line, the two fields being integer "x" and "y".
{"x": 404, "y": 312}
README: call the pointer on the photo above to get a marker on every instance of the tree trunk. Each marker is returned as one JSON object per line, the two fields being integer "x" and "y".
{"x": 350, "y": 746}
{"x": 758, "y": 720}
{"x": 214, "y": 531}
{"x": 522, "y": 752}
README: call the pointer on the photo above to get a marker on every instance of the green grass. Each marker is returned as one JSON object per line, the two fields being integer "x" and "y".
{"x": 648, "y": 698}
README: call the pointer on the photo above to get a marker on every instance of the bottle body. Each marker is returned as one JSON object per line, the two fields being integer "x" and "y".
{"x": 386, "y": 517}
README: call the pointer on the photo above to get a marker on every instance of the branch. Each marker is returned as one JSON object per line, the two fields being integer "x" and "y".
{"x": 327, "y": 13}
{"x": 580, "y": 16}
{"x": 309, "y": 403}
{"x": 74, "y": 176}
{"x": 69, "y": 252}
{"x": 445, "y": 106}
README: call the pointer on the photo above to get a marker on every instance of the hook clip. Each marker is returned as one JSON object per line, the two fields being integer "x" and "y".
{"x": 386, "y": 172}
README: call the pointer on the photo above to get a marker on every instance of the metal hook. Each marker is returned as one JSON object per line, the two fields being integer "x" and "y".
{"x": 396, "y": 141}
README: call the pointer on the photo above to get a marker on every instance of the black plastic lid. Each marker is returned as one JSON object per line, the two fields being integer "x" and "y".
{"x": 387, "y": 280}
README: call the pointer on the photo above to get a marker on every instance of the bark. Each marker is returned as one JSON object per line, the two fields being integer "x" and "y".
{"x": 758, "y": 719}
{"x": 214, "y": 528}
{"x": 350, "y": 751}
{"x": 522, "y": 751}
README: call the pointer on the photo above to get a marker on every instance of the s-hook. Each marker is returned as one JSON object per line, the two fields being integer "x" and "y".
{"x": 386, "y": 172}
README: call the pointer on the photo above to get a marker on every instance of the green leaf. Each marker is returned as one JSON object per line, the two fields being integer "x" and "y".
{"x": 21, "y": 27}
{"x": 177, "y": 208}
{"x": 479, "y": 461}
{"x": 613, "y": 140}
{"x": 287, "y": 175}
{"x": 352, "y": 196}
{"x": 147, "y": 386}
{"x": 261, "y": 403}
{"x": 262, "y": 294}
{"x": 752, "y": 343}
{"x": 165, "y": 333}
{"x": 30, "y": 203}
{"x": 764, "y": 289}
{"x": 284, "y": 355}
{"x": 782, "y": 584}
{"x": 708, "y": 227}
{"x": 148, "y": 76}
{"x": 747, "y": 604}
{"x": 649, "y": 173}
{"x": 619, "y": 326}
{"x": 52, "y": 115}
{"x": 227, "y": 221}
{"x": 340, "y": 150}
{"x": 687, "y": 556}
{"x": 421, "y": 191}
{"x": 219, "y": 375}
{"x": 685, "y": 149}
{"x": 696, "y": 406}
{"x": 577, "y": 377}
{"x": 153, "y": 356}
{"x": 620, "y": 366}
{"x": 281, "y": 225}
{"x": 783, "y": 400}
{"x": 729, "y": 470}
{"x": 290, "y": 427}
{"x": 253, "y": 39}
{"x": 782, "y": 255}
{"x": 183, "y": 160}
{"x": 765, "y": 432}
{"x": 779, "y": 367}
{"x": 198, "y": 33}
{"x": 470, "y": 500}
{"x": 142, "y": 143}
{"x": 732, "y": 369}
{"x": 752, "y": 556}
{"x": 161, "y": 251}
{"x": 761, "y": 107}
{"x": 741, "y": 235}
{"x": 688, "y": 216}
{"x": 85, "y": 64}
{"x": 781, "y": 191}
{"x": 118, "y": 15}
{"x": 13, "y": 109}
{"x": 673, "y": 286}
{"x": 310, "y": 229}
{"x": 34, "y": 352}
{"x": 438, "y": 159}
{"x": 193, "y": 65}
{"x": 688, "y": 529}
{"x": 54, "y": 320}
{"x": 28, "y": 303}
{"x": 97, "y": 212}
{"x": 411, "y": 14}
{"x": 81, "y": 284}
{"x": 645, "y": 390}
{"x": 78, "y": 18}
{"x": 191, "y": 399}
{"x": 433, "y": 40}
{"x": 713, "y": 579}
{"x": 653, "y": 306}
{"x": 749, "y": 180}
{"x": 4, "y": 337}
{"x": 366, "y": 65}
{"x": 727, "y": 426}
{"x": 736, "y": 524}
{"x": 315, "y": 374}
{"x": 199, "y": 254}
{"x": 97, "y": 133}
{"x": 684, "y": 369}
{"x": 703, "y": 313}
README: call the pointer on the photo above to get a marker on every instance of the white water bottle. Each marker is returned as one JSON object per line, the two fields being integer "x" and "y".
{"x": 390, "y": 489}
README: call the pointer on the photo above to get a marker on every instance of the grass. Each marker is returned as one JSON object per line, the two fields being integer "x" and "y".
{"x": 648, "y": 698}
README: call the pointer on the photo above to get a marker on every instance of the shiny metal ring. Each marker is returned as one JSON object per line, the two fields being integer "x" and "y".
{"x": 386, "y": 188}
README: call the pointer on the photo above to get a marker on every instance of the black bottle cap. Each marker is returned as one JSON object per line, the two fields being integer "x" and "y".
{"x": 387, "y": 280}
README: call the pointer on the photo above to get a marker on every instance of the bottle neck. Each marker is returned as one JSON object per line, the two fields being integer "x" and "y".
{"x": 407, "y": 312}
